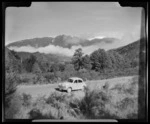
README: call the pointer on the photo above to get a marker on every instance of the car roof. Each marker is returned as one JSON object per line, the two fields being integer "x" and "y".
{"x": 75, "y": 78}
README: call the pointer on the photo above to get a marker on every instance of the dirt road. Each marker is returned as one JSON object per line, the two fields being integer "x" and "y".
{"x": 46, "y": 89}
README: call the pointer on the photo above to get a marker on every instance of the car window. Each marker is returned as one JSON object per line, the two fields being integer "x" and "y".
{"x": 80, "y": 81}
{"x": 70, "y": 80}
{"x": 75, "y": 81}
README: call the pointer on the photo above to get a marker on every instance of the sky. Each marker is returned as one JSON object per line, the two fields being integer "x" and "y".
{"x": 83, "y": 19}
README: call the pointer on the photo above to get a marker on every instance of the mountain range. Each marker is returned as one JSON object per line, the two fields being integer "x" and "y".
{"x": 130, "y": 52}
{"x": 65, "y": 41}
{"x": 56, "y": 47}
{"x": 64, "y": 45}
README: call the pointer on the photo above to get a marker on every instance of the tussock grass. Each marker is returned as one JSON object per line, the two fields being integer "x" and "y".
{"x": 108, "y": 102}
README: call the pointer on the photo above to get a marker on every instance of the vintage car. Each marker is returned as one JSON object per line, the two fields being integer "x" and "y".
{"x": 73, "y": 83}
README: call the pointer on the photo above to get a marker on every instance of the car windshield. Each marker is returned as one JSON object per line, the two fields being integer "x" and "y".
{"x": 70, "y": 80}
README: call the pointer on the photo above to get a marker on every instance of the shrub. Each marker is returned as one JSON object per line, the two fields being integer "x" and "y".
{"x": 11, "y": 82}
{"x": 50, "y": 77}
{"x": 132, "y": 116}
{"x": 14, "y": 107}
{"x": 58, "y": 97}
{"x": 94, "y": 75}
{"x": 84, "y": 74}
{"x": 118, "y": 87}
{"x": 56, "y": 106}
{"x": 123, "y": 104}
{"x": 37, "y": 114}
{"x": 26, "y": 99}
{"x": 93, "y": 103}
{"x": 25, "y": 80}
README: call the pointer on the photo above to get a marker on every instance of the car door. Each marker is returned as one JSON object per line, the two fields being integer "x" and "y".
{"x": 80, "y": 84}
{"x": 75, "y": 84}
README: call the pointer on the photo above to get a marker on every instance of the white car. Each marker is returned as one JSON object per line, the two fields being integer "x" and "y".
{"x": 73, "y": 83}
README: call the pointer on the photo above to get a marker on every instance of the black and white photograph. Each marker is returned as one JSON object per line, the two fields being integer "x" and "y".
{"x": 73, "y": 61}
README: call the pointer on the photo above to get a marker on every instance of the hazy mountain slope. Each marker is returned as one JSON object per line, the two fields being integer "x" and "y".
{"x": 35, "y": 42}
{"x": 130, "y": 52}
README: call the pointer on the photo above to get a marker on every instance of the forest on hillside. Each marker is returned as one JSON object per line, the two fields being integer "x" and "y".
{"x": 38, "y": 68}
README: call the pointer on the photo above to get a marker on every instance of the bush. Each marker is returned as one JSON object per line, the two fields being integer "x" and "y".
{"x": 14, "y": 107}
{"x": 94, "y": 75}
{"x": 11, "y": 82}
{"x": 132, "y": 88}
{"x": 56, "y": 106}
{"x": 26, "y": 99}
{"x": 25, "y": 80}
{"x": 93, "y": 104}
{"x": 37, "y": 114}
{"x": 50, "y": 77}
{"x": 57, "y": 97}
{"x": 124, "y": 103}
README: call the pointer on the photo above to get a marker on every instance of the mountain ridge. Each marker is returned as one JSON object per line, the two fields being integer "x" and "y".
{"x": 64, "y": 41}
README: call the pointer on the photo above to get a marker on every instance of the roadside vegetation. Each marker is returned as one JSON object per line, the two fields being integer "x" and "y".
{"x": 109, "y": 102}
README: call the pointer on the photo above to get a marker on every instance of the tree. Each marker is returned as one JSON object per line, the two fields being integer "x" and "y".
{"x": 29, "y": 62}
{"x": 44, "y": 66}
{"x": 54, "y": 67}
{"x": 118, "y": 61}
{"x": 77, "y": 59}
{"x": 61, "y": 67}
{"x": 100, "y": 60}
{"x": 86, "y": 62}
{"x": 36, "y": 68}
{"x": 69, "y": 68}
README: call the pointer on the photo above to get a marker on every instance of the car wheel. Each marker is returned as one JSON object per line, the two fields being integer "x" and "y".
{"x": 69, "y": 90}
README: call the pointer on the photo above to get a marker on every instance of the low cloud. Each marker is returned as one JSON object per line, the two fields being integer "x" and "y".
{"x": 67, "y": 51}
{"x": 48, "y": 49}
{"x": 55, "y": 49}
